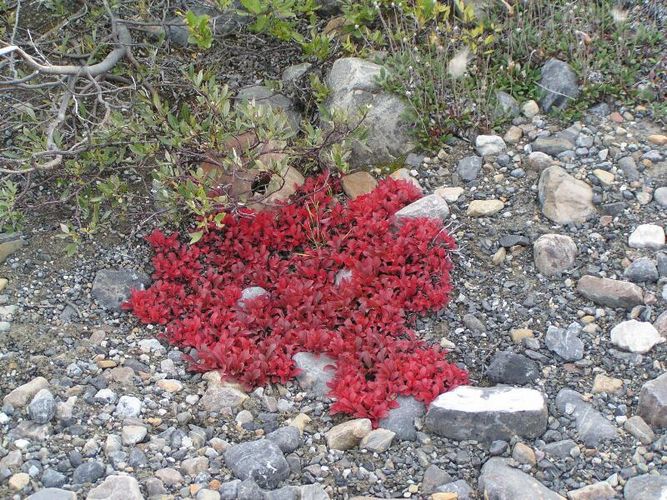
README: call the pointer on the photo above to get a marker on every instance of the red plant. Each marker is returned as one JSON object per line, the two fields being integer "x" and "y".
{"x": 396, "y": 271}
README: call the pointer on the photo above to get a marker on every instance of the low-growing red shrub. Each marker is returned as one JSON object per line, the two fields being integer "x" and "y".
{"x": 296, "y": 252}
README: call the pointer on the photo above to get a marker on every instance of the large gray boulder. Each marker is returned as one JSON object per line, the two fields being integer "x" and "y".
{"x": 354, "y": 87}
{"x": 499, "y": 481}
{"x": 653, "y": 402}
{"x": 558, "y": 84}
{"x": 261, "y": 460}
{"x": 646, "y": 487}
{"x": 488, "y": 413}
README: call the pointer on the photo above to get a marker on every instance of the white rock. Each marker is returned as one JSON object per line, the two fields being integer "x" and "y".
{"x": 430, "y": 207}
{"x": 647, "y": 236}
{"x": 488, "y": 145}
{"x": 635, "y": 336}
{"x": 530, "y": 109}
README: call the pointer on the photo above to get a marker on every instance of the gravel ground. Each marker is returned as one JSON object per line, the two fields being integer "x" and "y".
{"x": 113, "y": 401}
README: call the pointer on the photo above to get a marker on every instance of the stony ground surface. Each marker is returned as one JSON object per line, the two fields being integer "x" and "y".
{"x": 95, "y": 407}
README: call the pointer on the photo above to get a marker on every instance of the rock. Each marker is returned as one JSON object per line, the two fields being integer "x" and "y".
{"x": 653, "y": 402}
{"x": 609, "y": 292}
{"x": 554, "y": 254}
{"x": 605, "y": 178}
{"x": 530, "y": 109}
{"x": 431, "y": 207}
{"x": 606, "y": 385}
{"x": 401, "y": 420}
{"x": 266, "y": 97}
{"x": 315, "y": 372}
{"x": 284, "y": 493}
{"x": 506, "y": 105}
{"x": 537, "y": 160}
{"x": 295, "y": 72}
{"x": 564, "y": 199}
{"x": 489, "y": 145}
{"x": 353, "y": 84}
{"x": 194, "y": 466}
{"x": 403, "y": 174}
{"x": 660, "y": 196}
{"x": 312, "y": 492}
{"x": 558, "y": 84}
{"x": 10, "y": 243}
{"x": 348, "y": 434}
{"x": 499, "y": 481}
{"x": 117, "y": 488}
{"x": 629, "y": 168}
{"x": 460, "y": 490}
{"x": 642, "y": 270}
{"x": 261, "y": 460}
{"x": 229, "y": 490}
{"x": 488, "y": 413}
{"x": 133, "y": 434}
{"x": 468, "y": 168}
{"x": 507, "y": 367}
{"x": 434, "y": 476}
{"x": 19, "y": 481}
{"x": 513, "y": 135}
{"x": 128, "y": 407}
{"x": 552, "y": 145}
{"x": 592, "y": 427}
{"x": 378, "y": 440}
{"x": 449, "y": 194}
{"x": 170, "y": 385}
{"x": 206, "y": 494}
{"x": 484, "y": 208}
{"x": 287, "y": 438}
{"x": 20, "y": 396}
{"x": 282, "y": 185}
{"x": 53, "y": 479}
{"x": 636, "y": 336}
{"x": 42, "y": 408}
{"x": 661, "y": 324}
{"x": 54, "y": 494}
{"x": 112, "y": 287}
{"x": 88, "y": 472}
{"x": 524, "y": 454}
{"x": 658, "y": 139}
{"x": 565, "y": 343}
{"x": 647, "y": 236}
{"x": 519, "y": 334}
{"x": 561, "y": 449}
{"x": 169, "y": 476}
{"x": 646, "y": 487}
{"x": 219, "y": 397}
{"x": 357, "y": 184}
{"x": 638, "y": 427}
{"x": 597, "y": 491}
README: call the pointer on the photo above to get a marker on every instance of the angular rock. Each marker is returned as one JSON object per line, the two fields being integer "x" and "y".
{"x": 646, "y": 487}
{"x": 401, "y": 420}
{"x": 261, "y": 460}
{"x": 128, "y": 406}
{"x": 287, "y": 438}
{"x": 42, "y": 408}
{"x": 312, "y": 492}
{"x": 348, "y": 434}
{"x": 609, "y": 292}
{"x": 638, "y": 427}
{"x": 513, "y": 135}
{"x": 403, "y": 174}
{"x": 592, "y": 427}
{"x": 88, "y": 472}
{"x": 636, "y": 336}
{"x": 647, "y": 236}
{"x": 357, "y": 184}
{"x": 629, "y": 168}
{"x": 537, "y": 160}
{"x": 552, "y": 145}
{"x": 460, "y": 488}
{"x": 354, "y": 87}
{"x": 642, "y": 270}
{"x": 558, "y": 84}
{"x": 488, "y": 413}
{"x": 169, "y": 476}
{"x": 20, "y": 396}
{"x": 449, "y": 194}
{"x": 560, "y": 449}
{"x": 653, "y": 402}
{"x": 507, "y": 367}
{"x": 468, "y": 168}
{"x": 499, "y": 481}
{"x": 434, "y": 476}
{"x": 506, "y": 105}
{"x": 489, "y": 145}
{"x": 554, "y": 253}
{"x": 112, "y": 287}
{"x": 378, "y": 440}
{"x": 315, "y": 372}
{"x": 597, "y": 491}
{"x": 117, "y": 488}
{"x": 565, "y": 343}
{"x": 430, "y": 207}
{"x": 193, "y": 466}
{"x": 563, "y": 198}
{"x": 133, "y": 434}
{"x": 56, "y": 494}
{"x": 606, "y": 385}
{"x": 220, "y": 397}
{"x": 484, "y": 208}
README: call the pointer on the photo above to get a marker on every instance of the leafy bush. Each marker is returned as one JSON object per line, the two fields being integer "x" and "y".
{"x": 297, "y": 254}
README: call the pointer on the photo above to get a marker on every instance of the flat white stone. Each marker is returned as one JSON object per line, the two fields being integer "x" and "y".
{"x": 647, "y": 236}
{"x": 636, "y": 336}
{"x": 501, "y": 399}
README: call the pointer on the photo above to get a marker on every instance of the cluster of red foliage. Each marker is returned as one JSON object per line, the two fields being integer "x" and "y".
{"x": 296, "y": 253}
